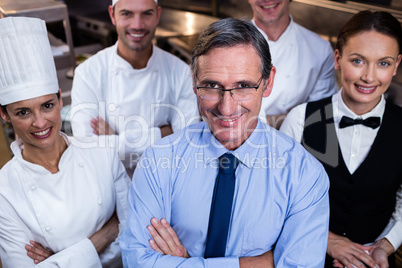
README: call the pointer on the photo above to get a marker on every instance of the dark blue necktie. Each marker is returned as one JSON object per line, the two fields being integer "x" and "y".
{"x": 373, "y": 122}
{"x": 221, "y": 207}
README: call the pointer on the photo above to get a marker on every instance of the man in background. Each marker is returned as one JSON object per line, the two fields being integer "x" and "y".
{"x": 132, "y": 91}
{"x": 304, "y": 61}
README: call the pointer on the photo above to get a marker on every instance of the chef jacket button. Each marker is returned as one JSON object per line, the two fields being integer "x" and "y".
{"x": 47, "y": 229}
{"x": 81, "y": 164}
{"x": 33, "y": 187}
{"x": 112, "y": 107}
{"x": 99, "y": 201}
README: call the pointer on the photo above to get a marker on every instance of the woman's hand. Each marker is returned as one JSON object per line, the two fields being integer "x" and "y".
{"x": 37, "y": 252}
{"x": 165, "y": 239}
{"x": 380, "y": 252}
{"x": 348, "y": 253}
{"x": 106, "y": 235}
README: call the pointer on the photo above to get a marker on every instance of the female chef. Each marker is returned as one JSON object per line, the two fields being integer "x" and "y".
{"x": 356, "y": 135}
{"x": 60, "y": 204}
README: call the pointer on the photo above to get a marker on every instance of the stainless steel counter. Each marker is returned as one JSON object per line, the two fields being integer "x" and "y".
{"x": 174, "y": 23}
{"x": 177, "y": 30}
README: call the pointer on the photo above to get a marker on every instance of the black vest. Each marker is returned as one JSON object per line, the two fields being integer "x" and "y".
{"x": 361, "y": 203}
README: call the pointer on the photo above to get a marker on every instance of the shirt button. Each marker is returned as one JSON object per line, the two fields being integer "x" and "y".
{"x": 344, "y": 234}
{"x": 353, "y": 155}
{"x": 47, "y": 229}
{"x": 99, "y": 201}
{"x": 33, "y": 187}
{"x": 81, "y": 164}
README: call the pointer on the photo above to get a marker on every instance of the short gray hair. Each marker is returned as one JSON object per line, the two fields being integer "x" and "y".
{"x": 232, "y": 32}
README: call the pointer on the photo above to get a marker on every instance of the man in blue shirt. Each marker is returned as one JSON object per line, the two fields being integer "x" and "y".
{"x": 279, "y": 198}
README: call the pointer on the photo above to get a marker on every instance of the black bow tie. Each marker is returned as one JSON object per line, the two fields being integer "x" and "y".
{"x": 373, "y": 122}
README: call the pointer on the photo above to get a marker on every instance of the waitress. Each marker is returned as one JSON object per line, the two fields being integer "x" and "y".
{"x": 61, "y": 204}
{"x": 356, "y": 134}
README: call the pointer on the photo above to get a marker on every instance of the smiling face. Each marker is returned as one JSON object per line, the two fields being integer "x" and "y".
{"x": 270, "y": 11}
{"x": 368, "y": 62}
{"x": 37, "y": 121}
{"x": 135, "y": 22}
{"x": 231, "y": 121}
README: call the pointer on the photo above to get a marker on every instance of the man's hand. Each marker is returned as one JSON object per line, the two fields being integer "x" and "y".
{"x": 37, "y": 252}
{"x": 166, "y": 130}
{"x": 265, "y": 260}
{"x": 106, "y": 235}
{"x": 101, "y": 127}
{"x": 348, "y": 253}
{"x": 165, "y": 239}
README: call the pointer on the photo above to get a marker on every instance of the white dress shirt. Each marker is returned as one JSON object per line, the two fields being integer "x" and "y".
{"x": 355, "y": 141}
{"x": 355, "y": 144}
{"x": 134, "y": 102}
{"x": 304, "y": 70}
{"x": 62, "y": 210}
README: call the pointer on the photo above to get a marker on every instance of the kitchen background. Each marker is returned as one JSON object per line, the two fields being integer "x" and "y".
{"x": 81, "y": 28}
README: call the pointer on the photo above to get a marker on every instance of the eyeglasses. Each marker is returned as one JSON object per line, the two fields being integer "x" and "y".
{"x": 213, "y": 91}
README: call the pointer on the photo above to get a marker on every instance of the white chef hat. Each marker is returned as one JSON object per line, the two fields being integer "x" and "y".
{"x": 115, "y": 1}
{"x": 27, "y": 68}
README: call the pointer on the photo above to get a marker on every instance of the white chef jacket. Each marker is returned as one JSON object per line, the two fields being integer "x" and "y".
{"x": 304, "y": 70}
{"x": 61, "y": 211}
{"x": 134, "y": 102}
{"x": 355, "y": 143}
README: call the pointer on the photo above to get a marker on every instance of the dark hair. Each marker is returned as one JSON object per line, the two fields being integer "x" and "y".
{"x": 4, "y": 107}
{"x": 380, "y": 21}
{"x": 231, "y": 32}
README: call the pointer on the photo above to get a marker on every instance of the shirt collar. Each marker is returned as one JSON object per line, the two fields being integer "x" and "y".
{"x": 17, "y": 147}
{"x": 213, "y": 149}
{"x": 246, "y": 153}
{"x": 122, "y": 64}
{"x": 340, "y": 109}
{"x": 283, "y": 36}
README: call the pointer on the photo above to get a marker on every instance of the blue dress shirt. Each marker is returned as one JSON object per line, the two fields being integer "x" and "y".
{"x": 280, "y": 200}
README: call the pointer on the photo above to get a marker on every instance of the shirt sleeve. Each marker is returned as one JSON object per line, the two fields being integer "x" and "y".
{"x": 185, "y": 111}
{"x": 293, "y": 125}
{"x": 303, "y": 240}
{"x": 393, "y": 231}
{"x": 84, "y": 103}
{"x": 85, "y": 100}
{"x": 14, "y": 235}
{"x": 112, "y": 255}
{"x": 326, "y": 84}
{"x": 150, "y": 196}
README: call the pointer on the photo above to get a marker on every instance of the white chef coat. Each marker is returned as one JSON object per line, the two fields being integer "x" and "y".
{"x": 134, "y": 102}
{"x": 305, "y": 71}
{"x": 60, "y": 211}
{"x": 355, "y": 144}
